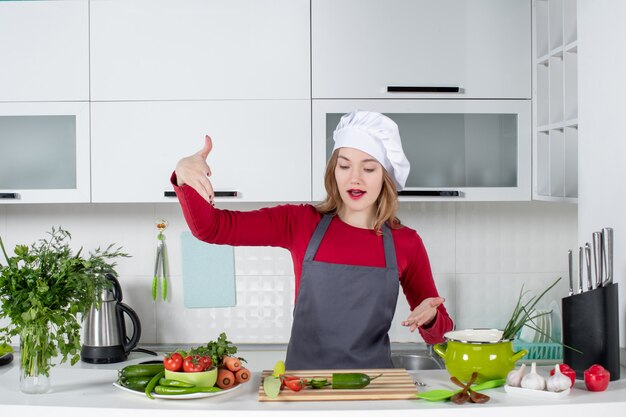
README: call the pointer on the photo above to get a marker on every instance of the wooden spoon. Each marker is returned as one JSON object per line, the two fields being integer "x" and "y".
{"x": 462, "y": 396}
{"x": 475, "y": 397}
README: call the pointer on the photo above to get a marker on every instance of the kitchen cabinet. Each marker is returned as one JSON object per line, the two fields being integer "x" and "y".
{"x": 44, "y": 50}
{"x": 459, "y": 150}
{"x": 427, "y": 48}
{"x": 261, "y": 148}
{"x": 555, "y": 108}
{"x": 199, "y": 49}
{"x": 45, "y": 152}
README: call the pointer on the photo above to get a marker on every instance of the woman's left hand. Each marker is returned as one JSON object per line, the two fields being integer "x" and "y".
{"x": 423, "y": 313}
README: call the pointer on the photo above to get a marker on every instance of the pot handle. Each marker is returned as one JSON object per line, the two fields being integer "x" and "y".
{"x": 440, "y": 349}
{"x": 518, "y": 355}
{"x": 124, "y": 309}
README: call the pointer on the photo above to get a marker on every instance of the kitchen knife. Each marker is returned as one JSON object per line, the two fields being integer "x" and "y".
{"x": 597, "y": 259}
{"x": 571, "y": 272}
{"x": 588, "y": 263}
{"x": 581, "y": 268}
{"x": 607, "y": 251}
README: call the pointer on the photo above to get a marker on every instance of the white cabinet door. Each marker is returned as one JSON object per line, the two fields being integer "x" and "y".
{"x": 45, "y": 152}
{"x": 459, "y": 150}
{"x": 261, "y": 148}
{"x": 362, "y": 47}
{"x": 200, "y": 49}
{"x": 44, "y": 50}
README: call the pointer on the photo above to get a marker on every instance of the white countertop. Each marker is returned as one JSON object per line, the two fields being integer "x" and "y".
{"x": 87, "y": 389}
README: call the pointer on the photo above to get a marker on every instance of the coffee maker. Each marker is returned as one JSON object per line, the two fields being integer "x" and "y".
{"x": 105, "y": 339}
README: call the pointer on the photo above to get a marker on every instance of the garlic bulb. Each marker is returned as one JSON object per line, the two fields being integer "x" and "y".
{"x": 514, "y": 377}
{"x": 533, "y": 380}
{"x": 558, "y": 382}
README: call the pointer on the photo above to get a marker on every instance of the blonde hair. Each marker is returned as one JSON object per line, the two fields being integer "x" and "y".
{"x": 386, "y": 203}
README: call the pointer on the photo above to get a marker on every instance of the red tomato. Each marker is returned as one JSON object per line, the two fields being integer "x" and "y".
{"x": 206, "y": 361}
{"x": 173, "y": 362}
{"x": 294, "y": 384}
{"x": 192, "y": 364}
{"x": 567, "y": 371}
{"x": 285, "y": 378}
{"x": 597, "y": 378}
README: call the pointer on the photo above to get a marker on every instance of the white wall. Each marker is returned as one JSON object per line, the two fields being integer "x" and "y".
{"x": 481, "y": 254}
{"x": 601, "y": 132}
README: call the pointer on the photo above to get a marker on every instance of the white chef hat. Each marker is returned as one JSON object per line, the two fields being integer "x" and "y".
{"x": 377, "y": 135}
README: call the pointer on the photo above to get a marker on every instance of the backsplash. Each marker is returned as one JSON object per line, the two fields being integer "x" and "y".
{"x": 481, "y": 254}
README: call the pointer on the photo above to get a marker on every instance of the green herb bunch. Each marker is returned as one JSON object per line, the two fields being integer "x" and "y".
{"x": 216, "y": 349}
{"x": 44, "y": 289}
{"x": 524, "y": 314}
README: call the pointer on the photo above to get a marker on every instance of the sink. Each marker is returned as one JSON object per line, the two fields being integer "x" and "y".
{"x": 412, "y": 361}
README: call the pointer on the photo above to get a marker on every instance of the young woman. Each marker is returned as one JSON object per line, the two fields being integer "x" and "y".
{"x": 349, "y": 252}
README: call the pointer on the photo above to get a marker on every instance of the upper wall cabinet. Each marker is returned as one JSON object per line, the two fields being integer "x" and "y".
{"x": 44, "y": 50}
{"x": 421, "y": 48}
{"x": 200, "y": 49}
{"x": 261, "y": 148}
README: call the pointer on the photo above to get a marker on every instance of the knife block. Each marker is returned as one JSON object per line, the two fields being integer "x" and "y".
{"x": 591, "y": 325}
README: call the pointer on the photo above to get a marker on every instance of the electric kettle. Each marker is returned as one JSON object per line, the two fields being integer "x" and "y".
{"x": 105, "y": 339}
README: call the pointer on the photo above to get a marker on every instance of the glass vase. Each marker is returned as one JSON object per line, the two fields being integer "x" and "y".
{"x": 34, "y": 361}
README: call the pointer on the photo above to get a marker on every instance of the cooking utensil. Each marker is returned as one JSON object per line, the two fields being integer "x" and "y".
{"x": 571, "y": 272}
{"x": 160, "y": 263}
{"x": 463, "y": 396}
{"x": 475, "y": 397}
{"x": 588, "y": 263}
{"x": 607, "y": 250}
{"x": 597, "y": 259}
{"x": 444, "y": 394}
{"x": 580, "y": 269}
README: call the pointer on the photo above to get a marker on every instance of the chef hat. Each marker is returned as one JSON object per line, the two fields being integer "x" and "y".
{"x": 377, "y": 135}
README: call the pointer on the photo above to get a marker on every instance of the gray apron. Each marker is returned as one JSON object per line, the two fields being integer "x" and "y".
{"x": 343, "y": 312}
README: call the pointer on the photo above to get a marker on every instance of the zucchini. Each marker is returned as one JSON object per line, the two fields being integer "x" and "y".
{"x": 131, "y": 371}
{"x": 136, "y": 383}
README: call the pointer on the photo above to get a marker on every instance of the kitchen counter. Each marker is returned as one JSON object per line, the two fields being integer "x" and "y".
{"x": 87, "y": 389}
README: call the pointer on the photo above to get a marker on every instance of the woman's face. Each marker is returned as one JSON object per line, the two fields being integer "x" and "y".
{"x": 359, "y": 179}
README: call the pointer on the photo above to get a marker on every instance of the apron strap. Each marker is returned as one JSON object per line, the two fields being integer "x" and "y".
{"x": 322, "y": 226}
{"x": 317, "y": 237}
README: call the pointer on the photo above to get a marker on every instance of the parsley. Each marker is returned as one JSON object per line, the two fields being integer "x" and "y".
{"x": 44, "y": 289}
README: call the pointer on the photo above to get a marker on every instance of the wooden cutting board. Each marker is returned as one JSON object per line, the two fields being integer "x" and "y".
{"x": 394, "y": 384}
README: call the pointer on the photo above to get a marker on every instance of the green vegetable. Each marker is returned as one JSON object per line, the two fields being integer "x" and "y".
{"x": 149, "y": 369}
{"x": 44, "y": 289}
{"x": 174, "y": 383}
{"x": 216, "y": 350}
{"x": 318, "y": 383}
{"x": 352, "y": 380}
{"x": 153, "y": 383}
{"x": 136, "y": 383}
{"x": 271, "y": 386}
{"x": 167, "y": 390}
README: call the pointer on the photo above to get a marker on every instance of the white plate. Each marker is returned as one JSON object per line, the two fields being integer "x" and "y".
{"x": 180, "y": 397}
{"x": 533, "y": 393}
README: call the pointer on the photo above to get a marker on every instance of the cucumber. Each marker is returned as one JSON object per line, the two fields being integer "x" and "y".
{"x": 351, "y": 380}
{"x": 131, "y": 371}
{"x": 136, "y": 383}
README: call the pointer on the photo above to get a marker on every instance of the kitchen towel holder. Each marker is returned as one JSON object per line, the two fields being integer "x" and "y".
{"x": 591, "y": 325}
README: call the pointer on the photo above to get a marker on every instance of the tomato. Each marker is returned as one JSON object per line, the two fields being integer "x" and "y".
{"x": 206, "y": 361}
{"x": 192, "y": 364}
{"x": 294, "y": 384}
{"x": 284, "y": 378}
{"x": 567, "y": 371}
{"x": 173, "y": 362}
{"x": 597, "y": 378}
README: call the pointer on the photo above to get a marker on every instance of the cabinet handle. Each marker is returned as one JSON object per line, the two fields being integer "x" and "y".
{"x": 430, "y": 193}
{"x": 10, "y": 196}
{"x": 421, "y": 89}
{"x": 217, "y": 193}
